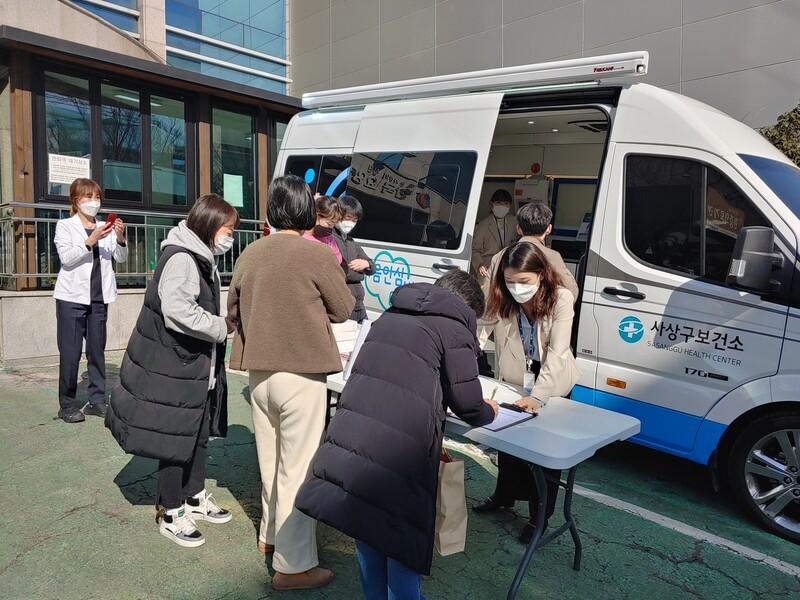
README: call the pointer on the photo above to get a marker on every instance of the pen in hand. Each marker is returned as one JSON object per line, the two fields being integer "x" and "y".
{"x": 494, "y": 391}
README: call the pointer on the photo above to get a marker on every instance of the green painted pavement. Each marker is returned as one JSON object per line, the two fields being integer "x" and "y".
{"x": 79, "y": 523}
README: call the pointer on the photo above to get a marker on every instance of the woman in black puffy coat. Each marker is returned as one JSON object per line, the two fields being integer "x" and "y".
{"x": 375, "y": 476}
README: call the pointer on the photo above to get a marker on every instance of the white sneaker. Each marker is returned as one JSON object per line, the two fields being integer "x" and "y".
{"x": 202, "y": 507}
{"x": 179, "y": 527}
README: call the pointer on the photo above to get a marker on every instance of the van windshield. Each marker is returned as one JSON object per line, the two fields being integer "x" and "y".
{"x": 781, "y": 178}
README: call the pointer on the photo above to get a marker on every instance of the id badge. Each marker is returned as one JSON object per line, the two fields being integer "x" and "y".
{"x": 528, "y": 379}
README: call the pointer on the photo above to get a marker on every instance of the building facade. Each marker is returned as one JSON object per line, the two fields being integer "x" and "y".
{"x": 740, "y": 56}
{"x": 89, "y": 90}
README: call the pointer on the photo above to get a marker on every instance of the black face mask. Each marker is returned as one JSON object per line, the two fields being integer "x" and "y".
{"x": 320, "y": 231}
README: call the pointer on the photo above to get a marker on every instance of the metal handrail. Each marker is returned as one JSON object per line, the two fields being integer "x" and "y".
{"x": 27, "y": 249}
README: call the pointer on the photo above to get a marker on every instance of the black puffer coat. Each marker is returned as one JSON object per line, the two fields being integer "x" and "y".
{"x": 375, "y": 476}
{"x": 158, "y": 403}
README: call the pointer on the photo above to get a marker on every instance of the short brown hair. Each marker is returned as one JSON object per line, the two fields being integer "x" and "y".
{"x": 328, "y": 207}
{"x": 500, "y": 195}
{"x": 80, "y": 188}
{"x": 209, "y": 213}
{"x": 533, "y": 218}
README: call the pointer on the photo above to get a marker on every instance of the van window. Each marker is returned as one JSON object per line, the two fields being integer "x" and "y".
{"x": 782, "y": 179}
{"x": 683, "y": 216}
{"x": 325, "y": 174}
{"x": 414, "y": 198}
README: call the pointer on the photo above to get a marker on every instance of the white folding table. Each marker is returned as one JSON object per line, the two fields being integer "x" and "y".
{"x": 564, "y": 434}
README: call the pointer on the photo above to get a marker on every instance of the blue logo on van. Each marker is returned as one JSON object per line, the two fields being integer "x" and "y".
{"x": 631, "y": 330}
{"x": 390, "y": 272}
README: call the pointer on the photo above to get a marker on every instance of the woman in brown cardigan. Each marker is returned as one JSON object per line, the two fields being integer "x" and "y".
{"x": 285, "y": 293}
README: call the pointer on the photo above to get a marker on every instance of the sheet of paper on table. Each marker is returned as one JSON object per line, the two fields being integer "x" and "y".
{"x": 362, "y": 335}
{"x": 505, "y": 418}
{"x": 345, "y": 334}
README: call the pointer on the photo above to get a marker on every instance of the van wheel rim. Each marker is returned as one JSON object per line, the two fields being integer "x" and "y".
{"x": 772, "y": 477}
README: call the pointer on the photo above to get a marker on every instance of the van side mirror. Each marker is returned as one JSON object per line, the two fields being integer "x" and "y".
{"x": 753, "y": 260}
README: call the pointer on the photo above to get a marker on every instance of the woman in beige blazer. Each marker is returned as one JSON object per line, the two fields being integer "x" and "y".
{"x": 530, "y": 313}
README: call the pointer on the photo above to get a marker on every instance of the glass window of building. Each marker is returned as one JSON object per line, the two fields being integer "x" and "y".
{"x": 233, "y": 159}
{"x": 237, "y": 40}
{"x": 120, "y": 13}
{"x": 122, "y": 142}
{"x": 168, "y": 150}
{"x": 68, "y": 130}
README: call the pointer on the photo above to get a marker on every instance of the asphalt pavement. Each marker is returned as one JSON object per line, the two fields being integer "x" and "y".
{"x": 78, "y": 523}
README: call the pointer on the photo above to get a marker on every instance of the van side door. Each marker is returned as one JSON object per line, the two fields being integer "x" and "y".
{"x": 417, "y": 169}
{"x": 672, "y": 337}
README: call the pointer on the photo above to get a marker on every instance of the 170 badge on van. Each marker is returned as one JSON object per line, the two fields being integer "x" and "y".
{"x": 701, "y": 373}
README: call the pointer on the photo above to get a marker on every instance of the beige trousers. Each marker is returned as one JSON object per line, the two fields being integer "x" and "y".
{"x": 289, "y": 419}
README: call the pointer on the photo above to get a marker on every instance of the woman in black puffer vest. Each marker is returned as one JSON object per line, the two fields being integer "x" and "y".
{"x": 375, "y": 476}
{"x": 171, "y": 394}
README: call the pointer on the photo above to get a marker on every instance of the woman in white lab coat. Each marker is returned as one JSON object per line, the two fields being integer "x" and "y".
{"x": 85, "y": 285}
{"x": 530, "y": 313}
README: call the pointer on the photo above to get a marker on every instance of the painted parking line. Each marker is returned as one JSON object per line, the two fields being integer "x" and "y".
{"x": 690, "y": 531}
{"x": 482, "y": 451}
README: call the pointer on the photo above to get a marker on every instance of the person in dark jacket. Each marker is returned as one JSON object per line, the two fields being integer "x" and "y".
{"x": 375, "y": 477}
{"x": 355, "y": 261}
{"x": 172, "y": 394}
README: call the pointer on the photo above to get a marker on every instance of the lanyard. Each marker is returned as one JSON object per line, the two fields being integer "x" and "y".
{"x": 501, "y": 230}
{"x": 531, "y": 350}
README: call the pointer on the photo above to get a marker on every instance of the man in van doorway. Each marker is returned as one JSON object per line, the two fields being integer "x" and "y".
{"x": 534, "y": 224}
{"x": 492, "y": 234}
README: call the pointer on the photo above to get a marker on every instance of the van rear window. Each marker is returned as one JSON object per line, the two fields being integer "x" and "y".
{"x": 412, "y": 198}
{"x": 782, "y": 179}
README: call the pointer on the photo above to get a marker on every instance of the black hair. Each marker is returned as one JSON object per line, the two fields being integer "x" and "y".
{"x": 290, "y": 204}
{"x": 351, "y": 206}
{"x": 466, "y": 287}
{"x": 500, "y": 195}
{"x": 533, "y": 218}
{"x": 209, "y": 213}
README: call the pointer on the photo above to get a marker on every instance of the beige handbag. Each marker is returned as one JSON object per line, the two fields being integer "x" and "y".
{"x": 451, "y": 507}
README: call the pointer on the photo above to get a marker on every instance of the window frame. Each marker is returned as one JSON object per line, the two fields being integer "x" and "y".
{"x": 146, "y": 91}
{"x": 253, "y": 113}
{"x": 705, "y": 165}
{"x": 458, "y": 250}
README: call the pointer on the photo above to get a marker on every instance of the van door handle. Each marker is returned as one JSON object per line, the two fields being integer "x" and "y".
{"x": 625, "y": 293}
{"x": 444, "y": 267}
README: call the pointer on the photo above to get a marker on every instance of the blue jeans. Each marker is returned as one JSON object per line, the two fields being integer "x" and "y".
{"x": 383, "y": 578}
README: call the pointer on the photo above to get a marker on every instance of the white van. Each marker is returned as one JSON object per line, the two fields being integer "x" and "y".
{"x": 687, "y": 320}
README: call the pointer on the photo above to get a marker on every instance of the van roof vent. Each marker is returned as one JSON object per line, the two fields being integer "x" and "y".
{"x": 574, "y": 72}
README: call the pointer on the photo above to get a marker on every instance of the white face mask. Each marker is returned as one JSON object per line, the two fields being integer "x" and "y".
{"x": 223, "y": 244}
{"x": 90, "y": 208}
{"x": 500, "y": 211}
{"x": 346, "y": 226}
{"x": 522, "y": 292}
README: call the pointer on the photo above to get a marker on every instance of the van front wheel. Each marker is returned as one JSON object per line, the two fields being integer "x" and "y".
{"x": 764, "y": 473}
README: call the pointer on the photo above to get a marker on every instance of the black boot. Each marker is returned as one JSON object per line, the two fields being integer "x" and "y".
{"x": 492, "y": 504}
{"x": 526, "y": 535}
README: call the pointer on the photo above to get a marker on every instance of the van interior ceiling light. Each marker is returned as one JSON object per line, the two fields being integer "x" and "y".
{"x": 574, "y": 72}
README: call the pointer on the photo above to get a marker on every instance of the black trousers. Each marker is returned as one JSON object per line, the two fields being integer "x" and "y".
{"x": 74, "y": 323}
{"x": 515, "y": 479}
{"x": 515, "y": 482}
{"x": 176, "y": 481}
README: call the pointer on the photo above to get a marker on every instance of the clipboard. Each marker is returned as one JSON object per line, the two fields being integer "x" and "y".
{"x": 508, "y": 418}
{"x": 362, "y": 335}
{"x": 505, "y": 418}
